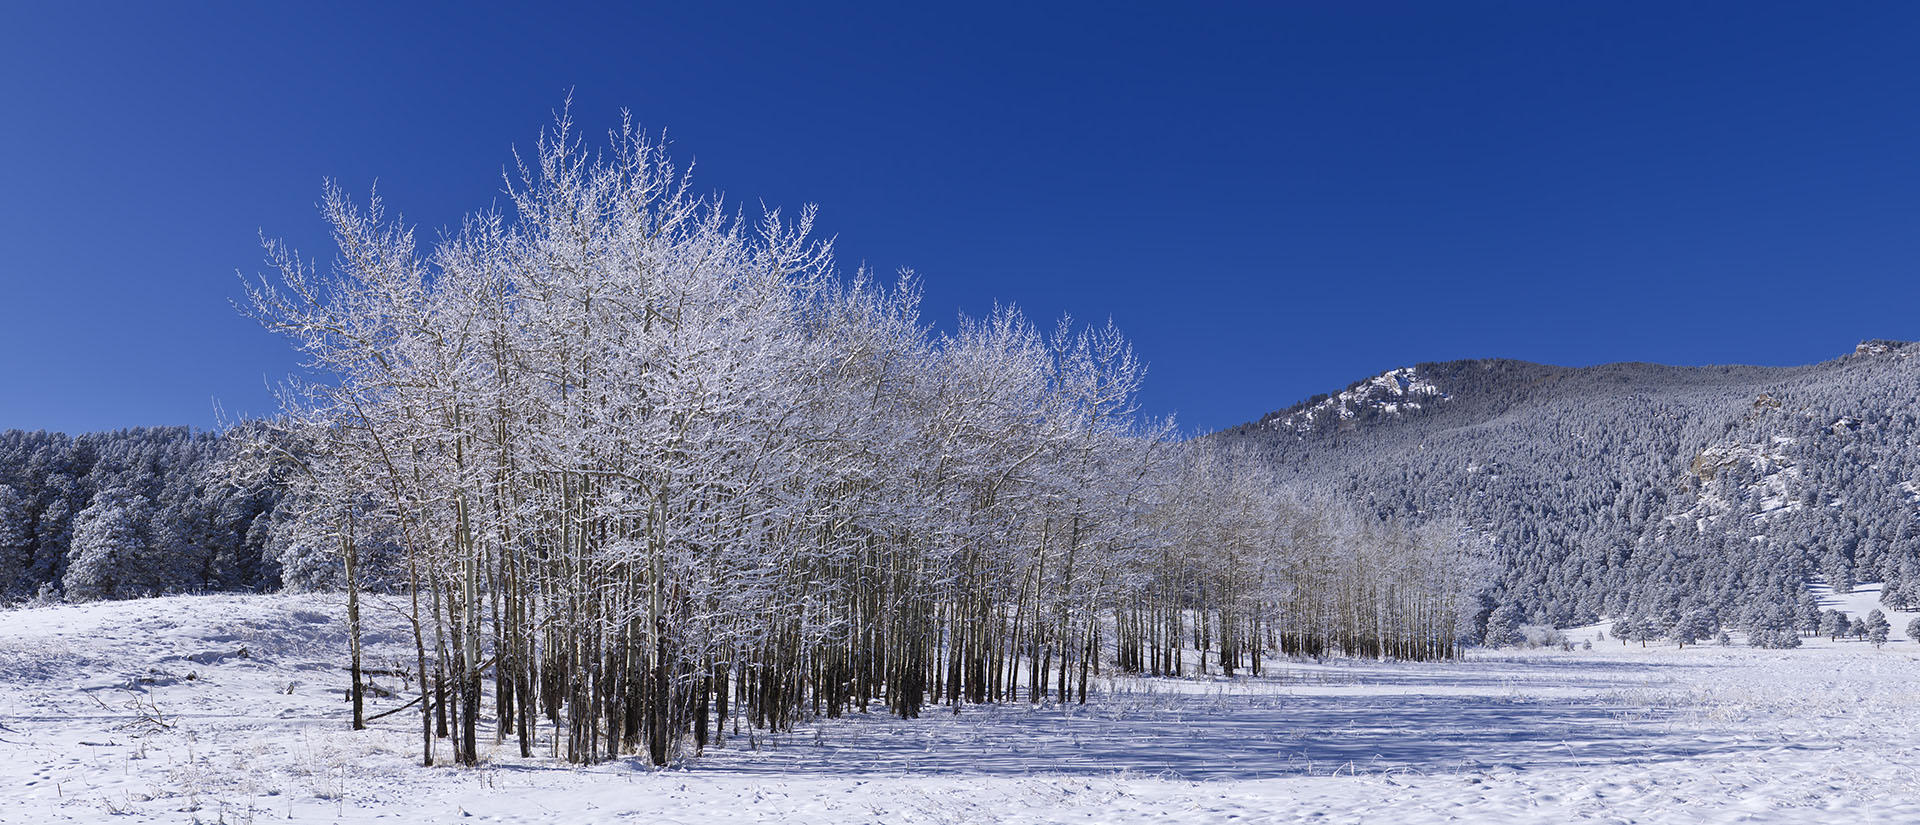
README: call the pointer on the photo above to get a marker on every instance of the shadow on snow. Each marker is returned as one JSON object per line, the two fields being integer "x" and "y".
{"x": 1263, "y": 733}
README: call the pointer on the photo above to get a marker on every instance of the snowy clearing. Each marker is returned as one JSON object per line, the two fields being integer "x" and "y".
{"x": 149, "y": 710}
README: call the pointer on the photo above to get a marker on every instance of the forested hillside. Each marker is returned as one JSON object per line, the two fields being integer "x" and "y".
{"x": 129, "y": 513}
{"x": 1635, "y": 489}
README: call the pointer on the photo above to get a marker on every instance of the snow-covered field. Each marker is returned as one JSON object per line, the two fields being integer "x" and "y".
{"x": 148, "y": 711}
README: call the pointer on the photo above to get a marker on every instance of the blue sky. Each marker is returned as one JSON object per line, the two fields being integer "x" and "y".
{"x": 1273, "y": 200}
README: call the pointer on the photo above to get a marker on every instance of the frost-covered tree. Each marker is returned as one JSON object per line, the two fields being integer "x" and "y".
{"x": 1773, "y": 627}
{"x": 16, "y": 544}
{"x": 1877, "y": 627}
{"x": 111, "y": 555}
{"x": 1651, "y": 629}
{"x": 1808, "y": 614}
{"x": 177, "y": 557}
{"x": 1503, "y": 626}
{"x": 1834, "y": 624}
{"x": 1626, "y": 629}
{"x": 1693, "y": 626}
{"x": 655, "y": 469}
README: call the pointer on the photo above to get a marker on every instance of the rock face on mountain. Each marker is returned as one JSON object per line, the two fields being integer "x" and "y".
{"x": 1636, "y": 489}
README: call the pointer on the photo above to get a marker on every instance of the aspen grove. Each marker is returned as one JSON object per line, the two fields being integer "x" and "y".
{"x": 643, "y": 472}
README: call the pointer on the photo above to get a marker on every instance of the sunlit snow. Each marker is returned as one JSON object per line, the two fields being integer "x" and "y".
{"x": 229, "y": 708}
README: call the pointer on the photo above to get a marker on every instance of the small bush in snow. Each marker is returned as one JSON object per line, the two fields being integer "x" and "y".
{"x": 1536, "y": 635}
{"x": 49, "y": 594}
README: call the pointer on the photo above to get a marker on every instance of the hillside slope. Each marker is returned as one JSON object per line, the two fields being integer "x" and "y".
{"x": 1636, "y": 488}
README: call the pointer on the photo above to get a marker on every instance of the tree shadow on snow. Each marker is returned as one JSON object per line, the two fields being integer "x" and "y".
{"x": 1254, "y": 735}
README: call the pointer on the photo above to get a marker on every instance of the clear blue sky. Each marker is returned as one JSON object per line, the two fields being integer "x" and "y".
{"x": 1273, "y": 200}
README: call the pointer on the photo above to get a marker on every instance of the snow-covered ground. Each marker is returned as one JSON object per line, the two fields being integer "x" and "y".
{"x": 148, "y": 711}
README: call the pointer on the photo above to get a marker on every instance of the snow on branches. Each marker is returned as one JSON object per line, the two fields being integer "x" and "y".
{"x": 654, "y": 467}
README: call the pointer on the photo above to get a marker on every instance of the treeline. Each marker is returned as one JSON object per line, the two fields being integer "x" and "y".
{"x": 647, "y": 471}
{"x": 129, "y": 513}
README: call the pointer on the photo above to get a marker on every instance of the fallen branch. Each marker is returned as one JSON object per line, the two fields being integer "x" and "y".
{"x": 392, "y": 711}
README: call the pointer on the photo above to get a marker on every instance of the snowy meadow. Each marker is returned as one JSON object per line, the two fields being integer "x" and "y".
{"x": 231, "y": 709}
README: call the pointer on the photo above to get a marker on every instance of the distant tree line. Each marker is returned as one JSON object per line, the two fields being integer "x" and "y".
{"x": 129, "y": 513}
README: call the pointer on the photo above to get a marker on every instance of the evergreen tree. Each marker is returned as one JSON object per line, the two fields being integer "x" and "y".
{"x": 1893, "y": 591}
{"x": 1693, "y": 626}
{"x": 16, "y": 544}
{"x": 1834, "y": 624}
{"x": 1773, "y": 627}
{"x": 1877, "y": 627}
{"x": 173, "y": 560}
{"x": 53, "y": 534}
{"x": 1644, "y": 629}
{"x": 1809, "y": 614}
{"x": 1503, "y": 626}
{"x": 1625, "y": 629}
{"x": 109, "y": 541}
